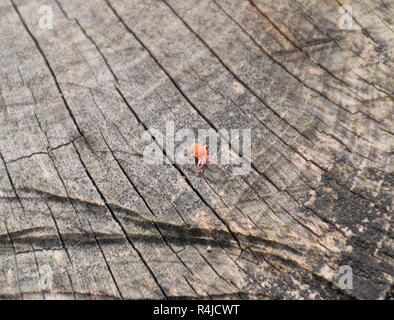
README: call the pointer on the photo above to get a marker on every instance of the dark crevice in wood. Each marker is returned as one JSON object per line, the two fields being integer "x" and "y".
{"x": 133, "y": 184}
{"x": 228, "y": 280}
{"x": 26, "y": 157}
{"x": 59, "y": 234}
{"x": 388, "y": 94}
{"x": 48, "y": 66}
{"x": 90, "y": 39}
{"x": 225, "y": 204}
{"x": 106, "y": 261}
{"x": 119, "y": 223}
{"x": 71, "y": 284}
{"x": 191, "y": 287}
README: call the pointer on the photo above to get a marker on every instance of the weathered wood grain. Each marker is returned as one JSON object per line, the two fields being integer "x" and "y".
{"x": 76, "y": 195}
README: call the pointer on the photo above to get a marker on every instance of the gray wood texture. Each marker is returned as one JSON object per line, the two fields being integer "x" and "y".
{"x": 76, "y": 195}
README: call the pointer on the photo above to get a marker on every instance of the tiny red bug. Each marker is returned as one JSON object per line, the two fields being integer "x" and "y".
{"x": 200, "y": 152}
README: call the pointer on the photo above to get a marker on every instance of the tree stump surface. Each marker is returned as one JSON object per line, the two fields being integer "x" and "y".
{"x": 77, "y": 198}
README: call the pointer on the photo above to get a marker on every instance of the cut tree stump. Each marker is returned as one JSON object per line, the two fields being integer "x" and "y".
{"x": 83, "y": 216}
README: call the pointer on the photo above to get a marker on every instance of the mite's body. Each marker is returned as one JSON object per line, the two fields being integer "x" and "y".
{"x": 201, "y": 153}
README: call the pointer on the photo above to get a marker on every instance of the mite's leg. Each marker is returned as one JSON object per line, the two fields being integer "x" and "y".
{"x": 209, "y": 159}
{"x": 203, "y": 161}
